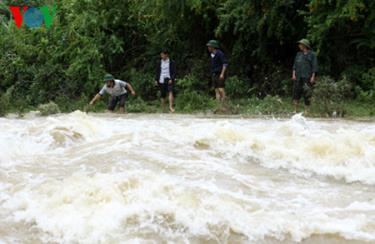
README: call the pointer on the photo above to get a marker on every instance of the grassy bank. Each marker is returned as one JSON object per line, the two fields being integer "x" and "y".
{"x": 270, "y": 105}
{"x": 330, "y": 99}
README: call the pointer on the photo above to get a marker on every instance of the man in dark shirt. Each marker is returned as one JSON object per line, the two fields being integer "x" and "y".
{"x": 219, "y": 64}
{"x": 305, "y": 69}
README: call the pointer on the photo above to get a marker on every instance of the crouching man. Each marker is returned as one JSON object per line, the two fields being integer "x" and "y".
{"x": 117, "y": 89}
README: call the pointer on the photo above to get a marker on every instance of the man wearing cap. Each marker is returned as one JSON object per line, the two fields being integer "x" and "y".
{"x": 219, "y": 64}
{"x": 117, "y": 90}
{"x": 305, "y": 69}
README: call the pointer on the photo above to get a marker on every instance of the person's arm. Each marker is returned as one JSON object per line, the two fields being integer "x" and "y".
{"x": 294, "y": 77}
{"x": 96, "y": 98}
{"x": 157, "y": 72}
{"x": 130, "y": 89}
{"x": 312, "y": 79}
{"x": 225, "y": 66}
{"x": 223, "y": 70}
{"x": 173, "y": 71}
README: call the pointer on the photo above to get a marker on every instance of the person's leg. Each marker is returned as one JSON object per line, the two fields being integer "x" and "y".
{"x": 295, "y": 105}
{"x": 306, "y": 112}
{"x": 122, "y": 99}
{"x": 222, "y": 94}
{"x": 163, "y": 104}
{"x": 297, "y": 94}
{"x": 171, "y": 100}
{"x": 307, "y": 94}
{"x": 220, "y": 84}
{"x": 307, "y": 98}
{"x": 112, "y": 104}
{"x": 170, "y": 97}
{"x": 163, "y": 95}
{"x": 215, "y": 84}
{"x": 217, "y": 94}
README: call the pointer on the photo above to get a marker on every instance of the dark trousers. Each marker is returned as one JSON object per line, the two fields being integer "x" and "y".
{"x": 165, "y": 88}
{"x": 217, "y": 82}
{"x": 115, "y": 100}
{"x": 302, "y": 88}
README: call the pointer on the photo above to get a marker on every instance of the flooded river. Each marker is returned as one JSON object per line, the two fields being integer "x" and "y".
{"x": 79, "y": 178}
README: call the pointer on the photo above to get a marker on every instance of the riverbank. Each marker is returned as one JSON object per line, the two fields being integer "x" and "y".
{"x": 249, "y": 108}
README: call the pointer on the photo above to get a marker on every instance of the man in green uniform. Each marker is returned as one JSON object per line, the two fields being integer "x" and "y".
{"x": 305, "y": 69}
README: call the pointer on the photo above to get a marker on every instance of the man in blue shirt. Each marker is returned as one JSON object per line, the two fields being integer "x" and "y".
{"x": 219, "y": 64}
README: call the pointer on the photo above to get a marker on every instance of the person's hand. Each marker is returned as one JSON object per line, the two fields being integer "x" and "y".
{"x": 156, "y": 83}
{"x": 133, "y": 93}
{"x": 222, "y": 77}
{"x": 312, "y": 80}
{"x": 170, "y": 82}
{"x": 294, "y": 77}
{"x": 91, "y": 103}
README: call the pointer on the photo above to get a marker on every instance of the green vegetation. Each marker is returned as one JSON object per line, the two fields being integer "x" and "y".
{"x": 49, "y": 109}
{"x": 66, "y": 62}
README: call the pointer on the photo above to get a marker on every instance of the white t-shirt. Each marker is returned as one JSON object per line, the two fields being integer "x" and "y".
{"x": 165, "y": 70}
{"x": 117, "y": 90}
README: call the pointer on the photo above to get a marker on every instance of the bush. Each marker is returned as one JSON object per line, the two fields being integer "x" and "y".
{"x": 66, "y": 105}
{"x": 354, "y": 73}
{"x": 329, "y": 95}
{"x": 236, "y": 87}
{"x": 368, "y": 79}
{"x": 367, "y": 91}
{"x": 48, "y": 109}
{"x": 143, "y": 84}
{"x": 270, "y": 105}
{"x": 138, "y": 105}
{"x": 191, "y": 83}
{"x": 189, "y": 101}
{"x": 271, "y": 80}
{"x": 4, "y": 104}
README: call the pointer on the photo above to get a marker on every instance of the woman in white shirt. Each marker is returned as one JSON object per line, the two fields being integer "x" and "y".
{"x": 165, "y": 78}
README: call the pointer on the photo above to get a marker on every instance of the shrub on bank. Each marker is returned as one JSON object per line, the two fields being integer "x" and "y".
{"x": 237, "y": 88}
{"x": 4, "y": 104}
{"x": 49, "y": 109}
{"x": 194, "y": 101}
{"x": 190, "y": 83}
{"x": 138, "y": 105}
{"x": 270, "y": 105}
{"x": 366, "y": 92}
{"x": 143, "y": 84}
{"x": 329, "y": 96}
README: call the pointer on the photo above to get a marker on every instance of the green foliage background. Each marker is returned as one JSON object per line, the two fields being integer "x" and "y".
{"x": 65, "y": 63}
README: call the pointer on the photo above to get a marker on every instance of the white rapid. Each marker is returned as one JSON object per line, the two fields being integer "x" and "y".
{"x": 81, "y": 178}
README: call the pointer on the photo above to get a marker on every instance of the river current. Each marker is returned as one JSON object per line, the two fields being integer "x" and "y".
{"x": 86, "y": 178}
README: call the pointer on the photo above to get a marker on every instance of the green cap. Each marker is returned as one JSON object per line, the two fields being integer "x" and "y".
{"x": 213, "y": 43}
{"x": 305, "y": 42}
{"x": 108, "y": 77}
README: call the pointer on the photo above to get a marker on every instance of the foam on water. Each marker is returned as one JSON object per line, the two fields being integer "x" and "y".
{"x": 90, "y": 179}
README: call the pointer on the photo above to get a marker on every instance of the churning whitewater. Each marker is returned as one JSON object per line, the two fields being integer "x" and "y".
{"x": 80, "y": 178}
